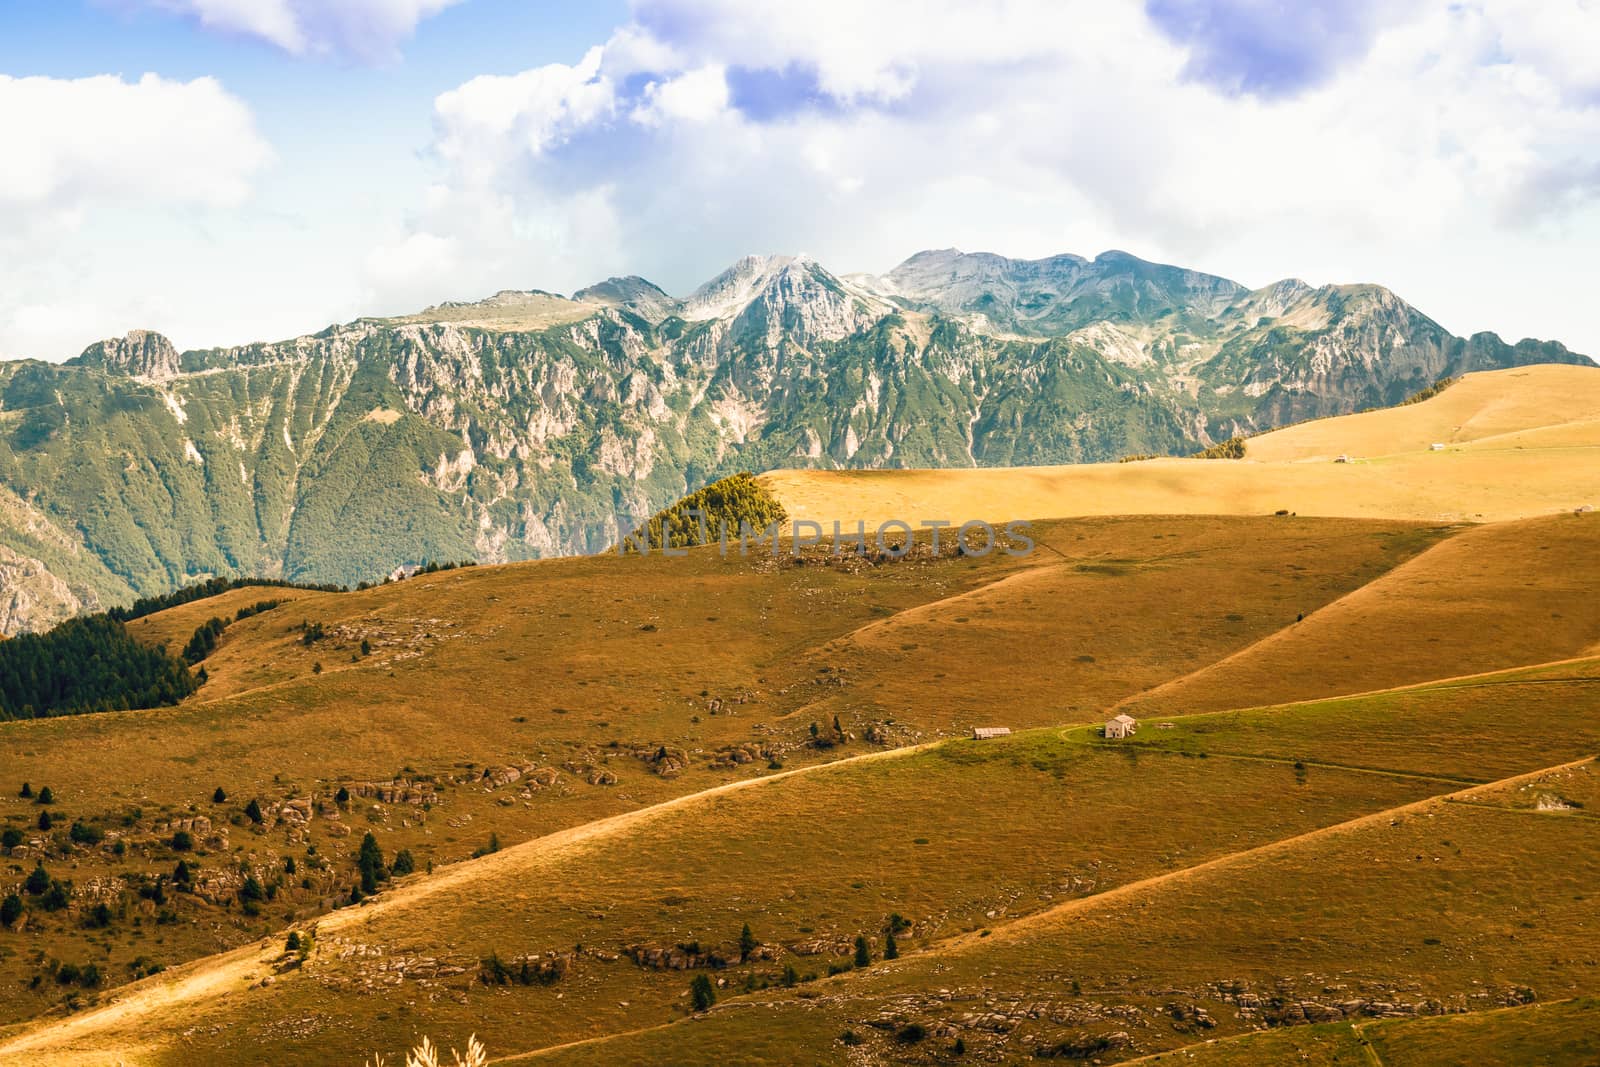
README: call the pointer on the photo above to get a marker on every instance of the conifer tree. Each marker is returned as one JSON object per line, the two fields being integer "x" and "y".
{"x": 702, "y": 993}
{"x": 747, "y": 943}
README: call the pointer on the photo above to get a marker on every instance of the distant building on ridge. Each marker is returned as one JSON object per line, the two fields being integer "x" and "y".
{"x": 1122, "y": 726}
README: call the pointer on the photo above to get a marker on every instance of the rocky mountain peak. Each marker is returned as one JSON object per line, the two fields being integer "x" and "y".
{"x": 138, "y": 354}
{"x": 633, "y": 292}
{"x": 743, "y": 283}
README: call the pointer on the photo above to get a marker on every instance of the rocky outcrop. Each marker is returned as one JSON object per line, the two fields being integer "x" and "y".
{"x": 31, "y": 597}
{"x": 139, "y": 354}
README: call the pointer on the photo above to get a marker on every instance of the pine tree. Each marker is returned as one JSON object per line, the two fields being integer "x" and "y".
{"x": 44, "y": 820}
{"x": 342, "y": 797}
{"x": 219, "y": 797}
{"x": 253, "y": 810}
{"x": 46, "y": 796}
{"x": 10, "y": 910}
{"x": 702, "y": 994}
{"x": 370, "y": 862}
{"x": 891, "y": 948}
{"x": 403, "y": 863}
{"x": 863, "y": 952}
{"x": 747, "y": 943}
{"x": 27, "y": 790}
{"x": 38, "y": 881}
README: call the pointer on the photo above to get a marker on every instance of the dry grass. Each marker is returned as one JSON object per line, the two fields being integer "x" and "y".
{"x": 1548, "y": 399}
{"x": 174, "y": 626}
{"x": 1463, "y": 926}
{"x": 1108, "y": 608}
{"x": 973, "y": 835}
{"x": 1477, "y": 896}
{"x": 1564, "y": 1033}
{"x": 1475, "y": 730}
{"x": 1553, "y": 466}
{"x": 826, "y": 855}
{"x": 551, "y": 663}
{"x": 1490, "y": 598}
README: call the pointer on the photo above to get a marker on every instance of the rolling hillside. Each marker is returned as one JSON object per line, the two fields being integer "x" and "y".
{"x": 1356, "y": 813}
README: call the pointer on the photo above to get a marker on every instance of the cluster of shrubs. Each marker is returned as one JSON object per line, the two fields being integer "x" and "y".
{"x": 1430, "y": 392}
{"x": 206, "y": 634}
{"x": 1232, "y": 448}
{"x": 703, "y": 994}
{"x": 722, "y": 505}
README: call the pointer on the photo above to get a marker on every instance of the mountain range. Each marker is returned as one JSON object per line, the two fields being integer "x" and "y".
{"x": 531, "y": 424}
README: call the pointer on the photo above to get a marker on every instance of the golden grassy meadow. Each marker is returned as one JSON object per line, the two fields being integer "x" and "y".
{"x": 1357, "y": 822}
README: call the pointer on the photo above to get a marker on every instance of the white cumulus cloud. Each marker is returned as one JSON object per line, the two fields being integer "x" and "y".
{"x": 79, "y": 152}
{"x": 70, "y": 143}
{"x": 1450, "y": 140}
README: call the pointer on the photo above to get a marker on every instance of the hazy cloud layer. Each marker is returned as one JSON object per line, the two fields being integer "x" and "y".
{"x": 364, "y": 29}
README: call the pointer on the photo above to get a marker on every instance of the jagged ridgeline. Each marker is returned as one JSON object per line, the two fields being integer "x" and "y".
{"x": 701, "y": 518}
{"x": 531, "y": 424}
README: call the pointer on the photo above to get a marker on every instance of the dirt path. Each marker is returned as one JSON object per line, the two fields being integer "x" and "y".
{"x": 215, "y": 976}
{"x": 1455, "y": 681}
{"x": 1024, "y": 925}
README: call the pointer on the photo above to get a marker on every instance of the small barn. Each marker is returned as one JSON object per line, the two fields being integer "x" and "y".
{"x": 987, "y": 733}
{"x": 1121, "y": 726}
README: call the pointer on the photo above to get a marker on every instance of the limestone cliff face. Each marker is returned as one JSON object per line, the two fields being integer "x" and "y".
{"x": 531, "y": 424}
{"x": 140, "y": 354}
{"x": 31, "y": 598}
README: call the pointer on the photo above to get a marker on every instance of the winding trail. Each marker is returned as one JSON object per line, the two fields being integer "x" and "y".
{"x": 1024, "y": 925}
{"x": 194, "y": 983}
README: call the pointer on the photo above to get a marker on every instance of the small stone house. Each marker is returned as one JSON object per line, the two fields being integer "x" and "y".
{"x": 1121, "y": 726}
{"x": 987, "y": 733}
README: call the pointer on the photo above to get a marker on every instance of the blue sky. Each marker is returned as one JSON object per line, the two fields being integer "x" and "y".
{"x": 236, "y": 170}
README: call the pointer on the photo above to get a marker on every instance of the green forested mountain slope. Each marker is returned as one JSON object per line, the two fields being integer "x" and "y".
{"x": 530, "y": 424}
